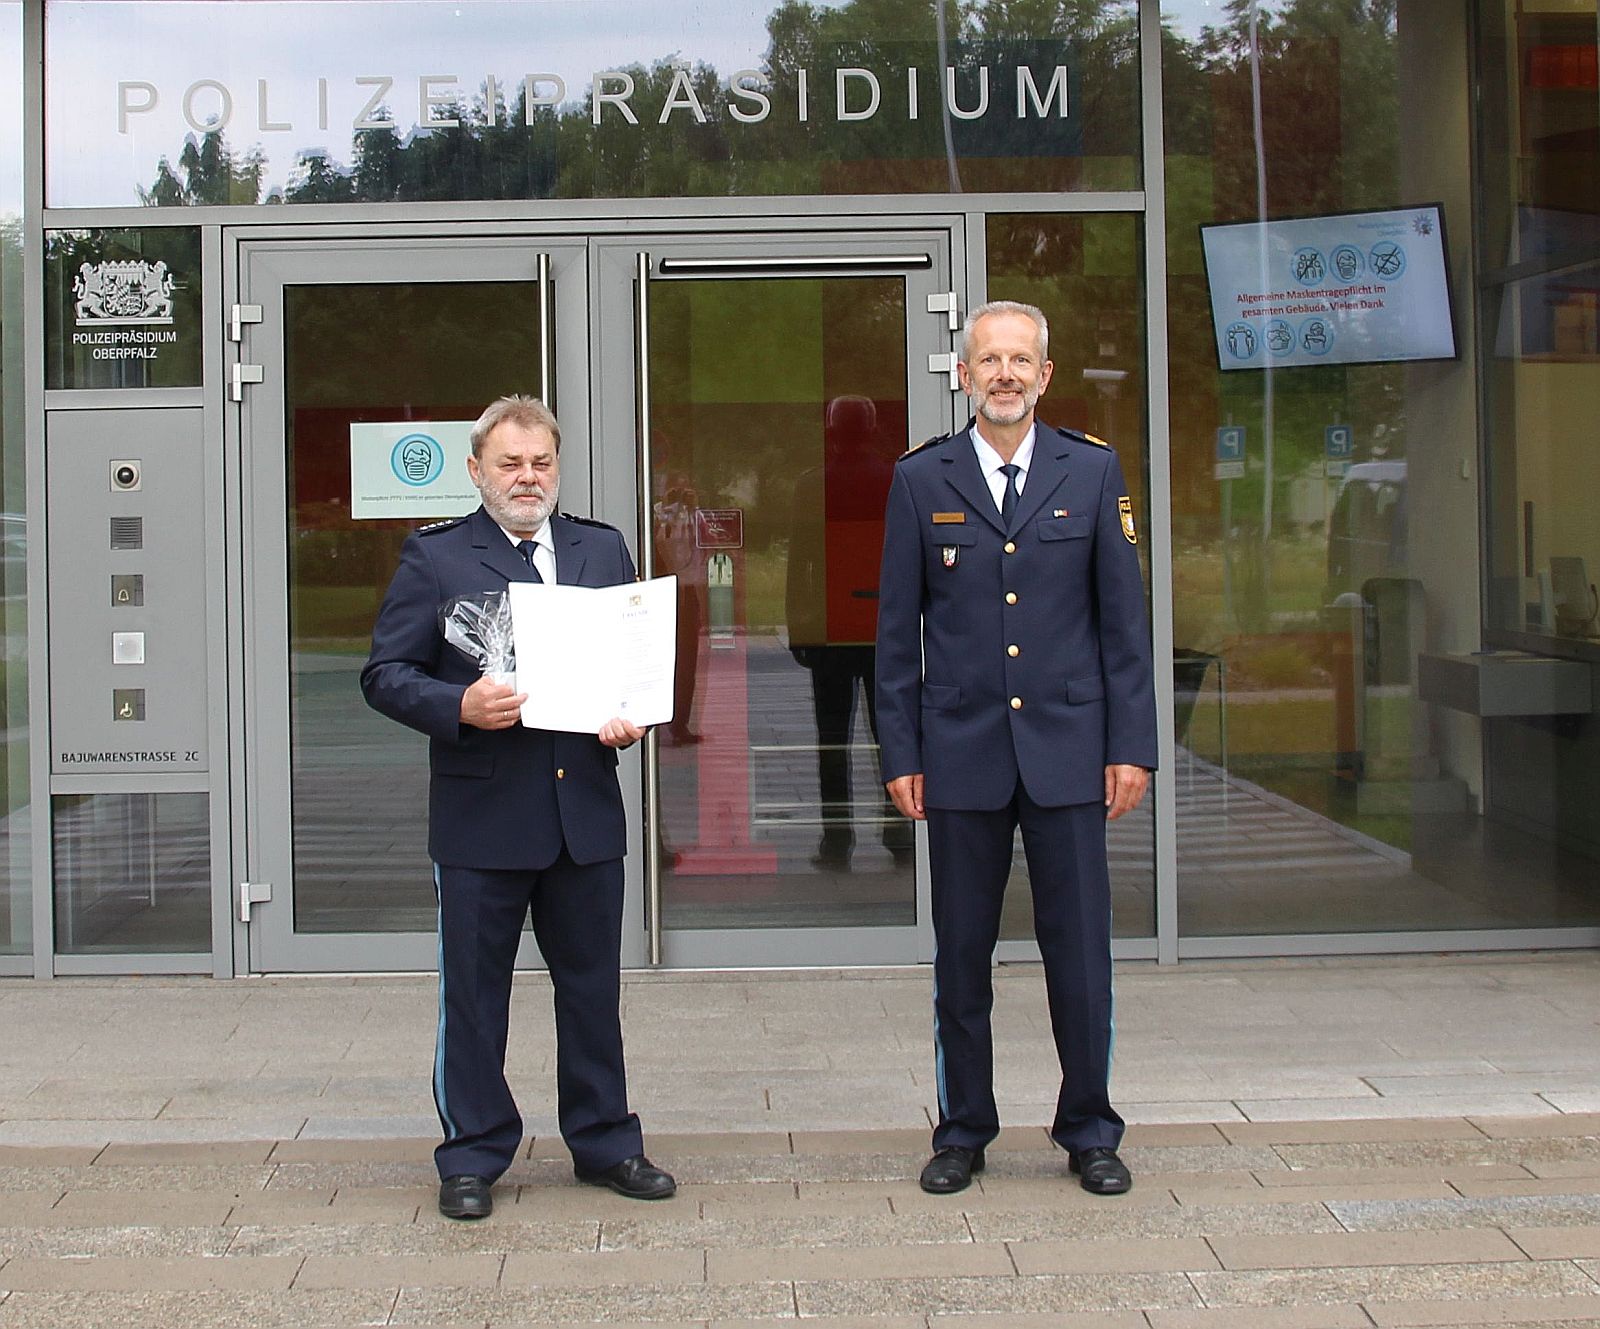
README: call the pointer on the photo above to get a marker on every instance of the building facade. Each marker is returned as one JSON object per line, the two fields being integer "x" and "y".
{"x": 1326, "y": 273}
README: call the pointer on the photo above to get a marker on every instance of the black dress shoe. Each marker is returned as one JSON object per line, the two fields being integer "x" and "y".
{"x": 465, "y": 1197}
{"x": 637, "y": 1178}
{"x": 1101, "y": 1171}
{"x": 950, "y": 1170}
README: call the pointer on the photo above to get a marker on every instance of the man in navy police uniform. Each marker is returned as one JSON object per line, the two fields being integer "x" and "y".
{"x": 519, "y": 820}
{"x": 1014, "y": 688}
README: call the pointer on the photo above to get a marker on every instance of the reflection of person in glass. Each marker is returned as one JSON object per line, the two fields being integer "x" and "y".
{"x": 1014, "y": 689}
{"x": 831, "y": 607}
{"x": 676, "y": 554}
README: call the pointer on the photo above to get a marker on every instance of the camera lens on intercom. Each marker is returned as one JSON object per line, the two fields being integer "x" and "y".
{"x": 124, "y": 475}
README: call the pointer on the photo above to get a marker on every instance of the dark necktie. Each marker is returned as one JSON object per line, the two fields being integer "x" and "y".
{"x": 526, "y": 548}
{"x": 1008, "y": 500}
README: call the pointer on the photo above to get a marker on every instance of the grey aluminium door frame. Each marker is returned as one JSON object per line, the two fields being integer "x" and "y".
{"x": 936, "y": 250}
{"x": 265, "y": 266}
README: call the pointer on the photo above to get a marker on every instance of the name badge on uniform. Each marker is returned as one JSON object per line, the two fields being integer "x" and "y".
{"x": 948, "y": 554}
{"x": 949, "y": 518}
{"x": 1125, "y": 511}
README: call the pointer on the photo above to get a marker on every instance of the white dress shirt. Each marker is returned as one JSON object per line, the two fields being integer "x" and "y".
{"x": 990, "y": 462}
{"x": 544, "y": 550}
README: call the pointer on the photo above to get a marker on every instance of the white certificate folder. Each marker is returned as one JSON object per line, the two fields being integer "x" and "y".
{"x": 588, "y": 654}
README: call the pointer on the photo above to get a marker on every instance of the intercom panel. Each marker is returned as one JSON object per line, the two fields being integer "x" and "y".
{"x": 127, "y": 590}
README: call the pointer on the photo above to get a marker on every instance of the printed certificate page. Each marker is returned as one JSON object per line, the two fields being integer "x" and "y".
{"x": 588, "y": 654}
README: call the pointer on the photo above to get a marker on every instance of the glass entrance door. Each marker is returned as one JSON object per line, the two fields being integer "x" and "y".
{"x": 735, "y": 408}
{"x": 775, "y": 384}
{"x": 375, "y": 358}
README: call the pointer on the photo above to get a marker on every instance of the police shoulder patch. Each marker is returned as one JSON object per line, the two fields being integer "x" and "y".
{"x": 1083, "y": 437}
{"x": 933, "y": 442}
{"x": 433, "y": 528}
{"x": 586, "y": 521}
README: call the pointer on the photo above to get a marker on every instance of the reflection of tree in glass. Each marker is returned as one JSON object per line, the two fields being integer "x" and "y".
{"x": 690, "y": 140}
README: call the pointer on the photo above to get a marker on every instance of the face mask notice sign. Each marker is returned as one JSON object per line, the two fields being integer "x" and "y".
{"x": 1344, "y": 289}
{"x": 415, "y": 470}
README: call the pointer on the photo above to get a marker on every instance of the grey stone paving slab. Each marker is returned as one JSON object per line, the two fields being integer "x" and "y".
{"x": 815, "y": 1167}
{"x": 1388, "y": 1129}
{"x": 1524, "y": 1128}
{"x": 210, "y": 1180}
{"x": 651, "y": 1301}
{"x": 1163, "y": 1113}
{"x": 1577, "y": 1169}
{"x": 403, "y": 1239}
{"x": 966, "y": 1259}
{"x": 1440, "y": 1153}
{"x": 1354, "y": 1249}
{"x": 67, "y": 1242}
{"x": 786, "y": 1229}
{"x": 387, "y": 1270}
{"x": 1300, "y": 1109}
{"x": 1106, "y": 1221}
{"x": 405, "y": 1125}
{"x": 1285, "y": 1287}
{"x": 1053, "y": 1320}
{"x": 187, "y": 1153}
{"x": 1205, "y": 1158}
{"x": 194, "y": 1309}
{"x": 20, "y": 1208}
{"x": 1144, "y": 1255}
{"x": 50, "y": 1104}
{"x": 1321, "y": 1177}
{"x": 89, "y": 1131}
{"x": 1557, "y": 1243}
{"x": 1262, "y": 1317}
{"x": 1203, "y": 1194}
{"x": 66, "y": 1155}
{"x": 318, "y": 1207}
{"x": 399, "y": 1149}
{"x": 1504, "y": 1211}
{"x": 1405, "y": 1085}
{"x": 1495, "y": 1310}
{"x": 115, "y": 1273}
{"x": 1035, "y": 1294}
{"x": 316, "y": 1176}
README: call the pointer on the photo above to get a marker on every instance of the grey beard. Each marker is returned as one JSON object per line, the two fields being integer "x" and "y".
{"x": 1029, "y": 401}
{"x": 512, "y": 518}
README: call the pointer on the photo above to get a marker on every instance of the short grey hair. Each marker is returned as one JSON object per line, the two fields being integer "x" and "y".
{"x": 1005, "y": 307}
{"x": 529, "y": 412}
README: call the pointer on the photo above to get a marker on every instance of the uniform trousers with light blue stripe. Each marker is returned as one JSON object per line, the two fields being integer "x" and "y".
{"x": 577, "y": 920}
{"x": 970, "y": 855}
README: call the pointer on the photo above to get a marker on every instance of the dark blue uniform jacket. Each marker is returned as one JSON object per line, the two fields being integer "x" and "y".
{"x": 494, "y": 797}
{"x": 1073, "y": 648}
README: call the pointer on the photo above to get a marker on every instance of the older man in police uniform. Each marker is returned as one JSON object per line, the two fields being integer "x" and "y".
{"x": 1014, "y": 689}
{"x": 520, "y": 821}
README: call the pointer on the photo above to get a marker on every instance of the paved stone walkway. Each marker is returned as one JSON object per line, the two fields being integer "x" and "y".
{"x": 197, "y": 1154}
{"x": 1447, "y": 1221}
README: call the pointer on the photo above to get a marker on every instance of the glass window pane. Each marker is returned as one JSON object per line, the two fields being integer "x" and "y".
{"x": 183, "y": 102}
{"x": 360, "y": 781}
{"x": 16, "y": 842}
{"x": 133, "y": 873}
{"x": 122, "y": 308}
{"x": 1086, "y": 273}
{"x": 1539, "y": 160}
{"x": 774, "y": 443}
{"x": 1333, "y": 774}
